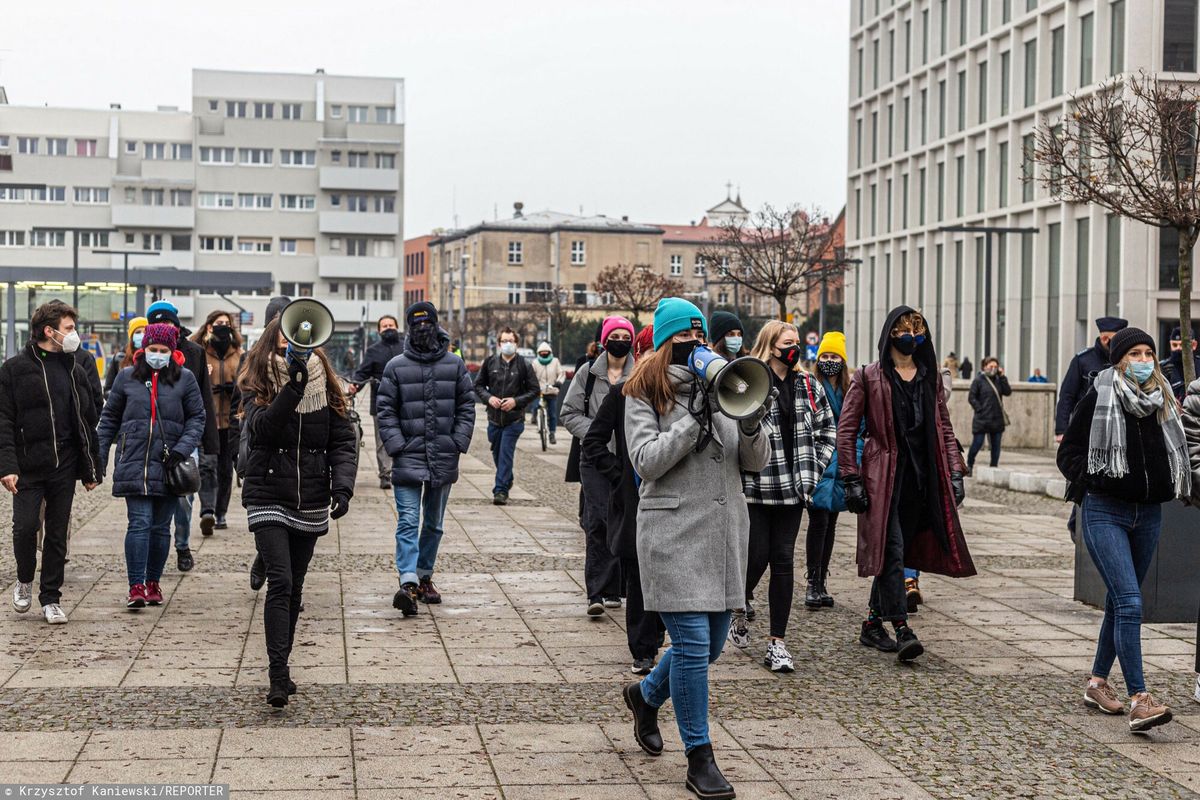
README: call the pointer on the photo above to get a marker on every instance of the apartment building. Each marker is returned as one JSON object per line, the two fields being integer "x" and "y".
{"x": 416, "y": 270}
{"x": 945, "y": 96}
{"x": 293, "y": 179}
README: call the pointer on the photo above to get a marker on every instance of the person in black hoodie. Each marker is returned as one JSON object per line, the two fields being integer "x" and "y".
{"x": 377, "y": 356}
{"x": 1124, "y": 454}
{"x": 302, "y": 456}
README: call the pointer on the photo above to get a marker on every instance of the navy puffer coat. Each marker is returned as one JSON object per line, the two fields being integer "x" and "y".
{"x": 426, "y": 414}
{"x": 125, "y": 421}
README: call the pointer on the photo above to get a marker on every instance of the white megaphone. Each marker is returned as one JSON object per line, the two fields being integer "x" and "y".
{"x": 306, "y": 324}
{"x": 742, "y": 385}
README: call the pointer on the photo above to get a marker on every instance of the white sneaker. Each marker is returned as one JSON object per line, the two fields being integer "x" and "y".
{"x": 778, "y": 658}
{"x": 739, "y": 631}
{"x": 1196, "y": 696}
{"x": 54, "y": 614}
{"x": 22, "y": 597}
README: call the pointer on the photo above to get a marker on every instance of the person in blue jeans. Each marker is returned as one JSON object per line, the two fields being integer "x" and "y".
{"x": 426, "y": 414}
{"x": 1124, "y": 454}
{"x": 507, "y": 384}
{"x": 693, "y": 531}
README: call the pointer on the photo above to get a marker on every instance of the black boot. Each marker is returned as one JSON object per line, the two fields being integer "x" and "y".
{"x": 645, "y": 720}
{"x": 908, "y": 646}
{"x": 278, "y": 694}
{"x": 704, "y": 778}
{"x": 822, "y": 592}
{"x": 812, "y": 597}
{"x": 874, "y": 635}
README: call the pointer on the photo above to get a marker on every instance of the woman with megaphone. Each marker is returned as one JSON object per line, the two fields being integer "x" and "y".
{"x": 301, "y": 457}
{"x": 692, "y": 529}
{"x": 802, "y": 434}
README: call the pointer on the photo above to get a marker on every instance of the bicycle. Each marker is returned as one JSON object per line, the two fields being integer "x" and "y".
{"x": 542, "y": 424}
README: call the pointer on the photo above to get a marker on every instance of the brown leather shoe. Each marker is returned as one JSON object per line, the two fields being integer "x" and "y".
{"x": 1100, "y": 695}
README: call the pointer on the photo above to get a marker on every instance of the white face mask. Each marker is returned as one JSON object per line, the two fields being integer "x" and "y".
{"x": 157, "y": 360}
{"x": 508, "y": 348}
{"x": 70, "y": 342}
{"x": 137, "y": 341}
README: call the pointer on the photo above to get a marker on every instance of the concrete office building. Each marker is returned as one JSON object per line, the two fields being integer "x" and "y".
{"x": 294, "y": 179}
{"x": 945, "y": 96}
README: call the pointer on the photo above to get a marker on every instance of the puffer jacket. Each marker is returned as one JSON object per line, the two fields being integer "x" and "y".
{"x": 426, "y": 414}
{"x": 296, "y": 460}
{"x": 178, "y": 423}
{"x": 1190, "y": 417}
{"x": 223, "y": 378}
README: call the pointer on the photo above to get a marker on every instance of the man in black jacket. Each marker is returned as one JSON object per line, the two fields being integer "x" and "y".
{"x": 195, "y": 362}
{"x": 376, "y": 357}
{"x": 1172, "y": 367}
{"x": 49, "y": 408}
{"x": 507, "y": 384}
{"x": 1082, "y": 372}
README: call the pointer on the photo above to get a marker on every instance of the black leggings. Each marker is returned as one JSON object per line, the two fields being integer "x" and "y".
{"x": 819, "y": 541}
{"x": 286, "y": 554}
{"x": 773, "y": 532}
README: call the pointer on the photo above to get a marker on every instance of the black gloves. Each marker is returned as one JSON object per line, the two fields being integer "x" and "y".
{"x": 297, "y": 372}
{"x": 339, "y": 505}
{"x": 960, "y": 491}
{"x": 173, "y": 460}
{"x": 750, "y": 424}
{"x": 856, "y": 495}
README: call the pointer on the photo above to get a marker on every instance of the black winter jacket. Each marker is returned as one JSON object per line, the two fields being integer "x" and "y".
{"x": 989, "y": 412}
{"x": 515, "y": 379}
{"x": 195, "y": 362}
{"x": 29, "y": 432}
{"x": 297, "y": 460}
{"x": 1149, "y": 476}
{"x": 609, "y": 424}
{"x": 1081, "y": 373}
{"x": 426, "y": 414}
{"x": 375, "y": 359}
{"x": 178, "y": 423}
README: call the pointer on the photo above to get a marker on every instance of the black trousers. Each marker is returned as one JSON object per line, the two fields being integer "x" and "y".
{"x": 773, "y": 532}
{"x": 601, "y": 569}
{"x": 907, "y": 515}
{"x": 217, "y": 474}
{"x": 286, "y": 554}
{"x": 819, "y": 541}
{"x": 58, "y": 492}
{"x": 977, "y": 445}
{"x": 644, "y": 629}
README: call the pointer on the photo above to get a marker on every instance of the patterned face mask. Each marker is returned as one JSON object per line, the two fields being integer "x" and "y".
{"x": 831, "y": 367}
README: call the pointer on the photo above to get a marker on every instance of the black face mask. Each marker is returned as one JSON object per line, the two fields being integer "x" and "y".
{"x": 222, "y": 333}
{"x": 390, "y": 336}
{"x": 681, "y": 352}
{"x": 424, "y": 337}
{"x": 789, "y": 355}
{"x": 907, "y": 345}
{"x": 830, "y": 368}
{"x": 618, "y": 348}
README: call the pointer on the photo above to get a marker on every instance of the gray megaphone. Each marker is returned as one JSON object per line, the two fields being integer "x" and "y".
{"x": 742, "y": 385}
{"x": 306, "y": 323}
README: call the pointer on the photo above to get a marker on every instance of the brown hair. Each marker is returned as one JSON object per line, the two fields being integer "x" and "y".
{"x": 51, "y": 314}
{"x": 767, "y": 337}
{"x": 650, "y": 381}
{"x": 1157, "y": 381}
{"x": 379, "y": 322}
{"x": 259, "y": 365}
{"x": 912, "y": 321}
{"x": 989, "y": 360}
{"x": 500, "y": 335}
{"x": 200, "y": 337}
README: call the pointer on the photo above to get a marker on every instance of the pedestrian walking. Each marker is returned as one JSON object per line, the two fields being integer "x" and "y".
{"x": 370, "y": 371}
{"x": 910, "y": 483}
{"x": 693, "y": 530}
{"x": 551, "y": 377}
{"x": 301, "y": 458}
{"x": 602, "y": 569}
{"x": 1124, "y": 454}
{"x": 222, "y": 345}
{"x": 48, "y": 414}
{"x": 986, "y": 397}
{"x": 195, "y": 362}
{"x": 802, "y": 433}
{"x": 426, "y": 415}
{"x": 155, "y": 415}
{"x": 1172, "y": 367}
{"x": 829, "y": 497}
{"x": 643, "y": 629}
{"x": 133, "y": 341}
{"x": 1191, "y": 429}
{"x": 965, "y": 369}
{"x": 727, "y": 335}
{"x": 507, "y": 384}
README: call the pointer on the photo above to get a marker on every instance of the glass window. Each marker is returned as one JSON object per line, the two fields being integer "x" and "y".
{"x": 290, "y": 110}
{"x": 962, "y": 100}
{"x": 1030, "y": 72}
{"x": 1086, "y": 46}
{"x": 1116, "y": 53}
{"x": 960, "y": 186}
{"x": 578, "y": 252}
{"x": 1083, "y": 240}
{"x": 941, "y": 109}
{"x": 385, "y": 160}
{"x": 1026, "y": 305}
{"x": 1002, "y": 174}
{"x": 1054, "y": 274}
{"x": 1027, "y": 168}
{"x": 980, "y": 179}
{"x": 385, "y": 115}
{"x": 357, "y": 113}
{"x": 1005, "y": 84}
{"x": 1112, "y": 265}
{"x": 941, "y": 191}
{"x": 1179, "y": 36}
{"x": 981, "y": 114}
{"x": 264, "y": 110}
{"x": 515, "y": 254}
{"x": 1168, "y": 258}
{"x": 1056, "y": 61}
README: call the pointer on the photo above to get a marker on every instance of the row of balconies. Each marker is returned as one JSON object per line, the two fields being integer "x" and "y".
{"x": 183, "y": 218}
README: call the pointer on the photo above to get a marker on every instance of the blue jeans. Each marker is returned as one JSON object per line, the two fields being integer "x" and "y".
{"x": 415, "y": 554}
{"x": 148, "y": 538}
{"x": 504, "y": 445}
{"x": 911, "y": 573}
{"x": 1121, "y": 538}
{"x": 183, "y": 522}
{"x": 697, "y": 638}
{"x": 551, "y": 411}
{"x": 977, "y": 445}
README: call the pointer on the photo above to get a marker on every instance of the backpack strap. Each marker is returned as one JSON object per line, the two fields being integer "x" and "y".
{"x": 587, "y": 392}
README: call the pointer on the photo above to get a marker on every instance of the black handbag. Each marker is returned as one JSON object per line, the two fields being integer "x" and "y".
{"x": 183, "y": 478}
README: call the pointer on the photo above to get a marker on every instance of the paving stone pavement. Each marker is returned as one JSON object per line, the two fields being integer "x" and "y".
{"x": 508, "y": 691}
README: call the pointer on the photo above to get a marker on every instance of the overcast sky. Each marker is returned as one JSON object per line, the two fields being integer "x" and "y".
{"x": 638, "y": 107}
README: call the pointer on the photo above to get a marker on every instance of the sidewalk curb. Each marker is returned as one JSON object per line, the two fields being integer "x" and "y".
{"x": 1017, "y": 481}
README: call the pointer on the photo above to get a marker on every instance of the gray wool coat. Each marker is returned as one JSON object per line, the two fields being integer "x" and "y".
{"x": 573, "y": 416}
{"x": 692, "y": 522}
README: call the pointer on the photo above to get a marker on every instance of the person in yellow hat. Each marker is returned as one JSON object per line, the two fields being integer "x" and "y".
{"x": 133, "y": 343}
{"x": 832, "y": 371}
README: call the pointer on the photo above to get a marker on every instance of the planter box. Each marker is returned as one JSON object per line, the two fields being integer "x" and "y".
{"x": 1170, "y": 592}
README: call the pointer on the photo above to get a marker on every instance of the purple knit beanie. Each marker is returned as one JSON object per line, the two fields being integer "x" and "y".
{"x": 160, "y": 333}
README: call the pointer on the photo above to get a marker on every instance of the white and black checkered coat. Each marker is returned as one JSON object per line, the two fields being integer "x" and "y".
{"x": 815, "y": 431}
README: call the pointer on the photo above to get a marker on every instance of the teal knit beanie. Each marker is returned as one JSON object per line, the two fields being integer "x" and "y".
{"x": 676, "y": 315}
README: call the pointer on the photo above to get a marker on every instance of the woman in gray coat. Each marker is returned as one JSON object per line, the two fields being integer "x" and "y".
{"x": 693, "y": 531}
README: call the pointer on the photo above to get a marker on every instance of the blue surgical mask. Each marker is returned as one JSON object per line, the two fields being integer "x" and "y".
{"x": 733, "y": 344}
{"x": 158, "y": 360}
{"x": 137, "y": 340}
{"x": 1140, "y": 371}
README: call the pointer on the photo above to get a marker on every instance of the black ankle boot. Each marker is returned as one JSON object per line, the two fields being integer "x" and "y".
{"x": 278, "y": 694}
{"x": 822, "y": 592}
{"x": 645, "y": 720}
{"x": 812, "y": 597}
{"x": 704, "y": 778}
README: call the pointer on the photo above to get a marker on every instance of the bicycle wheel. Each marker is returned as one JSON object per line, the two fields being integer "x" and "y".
{"x": 543, "y": 430}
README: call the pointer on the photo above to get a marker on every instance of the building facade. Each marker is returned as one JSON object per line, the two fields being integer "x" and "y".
{"x": 416, "y": 271}
{"x": 298, "y": 176}
{"x": 945, "y": 97}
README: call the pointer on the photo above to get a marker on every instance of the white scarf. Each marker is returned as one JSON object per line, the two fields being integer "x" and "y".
{"x": 316, "y": 394}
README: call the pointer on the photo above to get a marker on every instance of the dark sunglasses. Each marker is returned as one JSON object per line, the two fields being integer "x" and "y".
{"x": 908, "y": 337}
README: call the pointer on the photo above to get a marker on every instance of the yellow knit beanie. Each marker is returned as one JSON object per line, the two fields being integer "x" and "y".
{"x": 833, "y": 342}
{"x": 135, "y": 323}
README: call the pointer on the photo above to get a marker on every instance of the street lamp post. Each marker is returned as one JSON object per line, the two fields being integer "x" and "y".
{"x": 125, "y": 254}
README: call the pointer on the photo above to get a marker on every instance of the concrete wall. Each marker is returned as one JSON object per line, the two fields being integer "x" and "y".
{"x": 1030, "y": 408}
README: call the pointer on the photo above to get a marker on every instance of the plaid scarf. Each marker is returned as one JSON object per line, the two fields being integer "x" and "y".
{"x": 316, "y": 393}
{"x": 1116, "y": 396}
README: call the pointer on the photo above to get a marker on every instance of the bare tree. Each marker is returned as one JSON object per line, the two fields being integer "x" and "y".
{"x": 635, "y": 287}
{"x": 775, "y": 251}
{"x": 1131, "y": 148}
